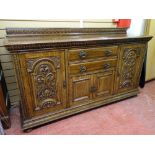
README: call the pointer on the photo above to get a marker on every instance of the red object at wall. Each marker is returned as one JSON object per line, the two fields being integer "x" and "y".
{"x": 122, "y": 23}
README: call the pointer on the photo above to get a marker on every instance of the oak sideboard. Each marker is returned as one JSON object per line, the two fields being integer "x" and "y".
{"x": 64, "y": 71}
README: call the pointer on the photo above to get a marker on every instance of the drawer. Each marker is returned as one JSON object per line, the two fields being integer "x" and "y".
{"x": 92, "y": 66}
{"x": 91, "y": 53}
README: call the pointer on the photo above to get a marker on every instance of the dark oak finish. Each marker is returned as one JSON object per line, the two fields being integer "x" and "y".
{"x": 43, "y": 84}
{"x": 104, "y": 84}
{"x": 80, "y": 89}
{"x": 130, "y": 66}
{"x": 83, "y": 54}
{"x": 62, "y": 72}
{"x": 88, "y": 67}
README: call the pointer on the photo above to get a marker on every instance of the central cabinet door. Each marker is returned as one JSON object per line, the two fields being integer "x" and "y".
{"x": 43, "y": 77}
{"x": 80, "y": 89}
{"x": 103, "y": 86}
{"x": 87, "y": 88}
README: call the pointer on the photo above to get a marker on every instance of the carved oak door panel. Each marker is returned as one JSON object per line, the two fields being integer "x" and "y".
{"x": 130, "y": 64}
{"x": 104, "y": 83}
{"x": 79, "y": 89}
{"x": 43, "y": 82}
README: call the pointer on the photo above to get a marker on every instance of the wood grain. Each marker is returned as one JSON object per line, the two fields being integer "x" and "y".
{"x": 61, "y": 72}
{"x": 82, "y": 54}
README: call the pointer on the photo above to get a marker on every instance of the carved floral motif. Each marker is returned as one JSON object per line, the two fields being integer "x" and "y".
{"x": 43, "y": 74}
{"x": 129, "y": 66}
{"x": 32, "y": 62}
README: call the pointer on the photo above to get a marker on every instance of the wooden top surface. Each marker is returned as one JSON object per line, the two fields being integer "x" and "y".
{"x": 33, "y": 38}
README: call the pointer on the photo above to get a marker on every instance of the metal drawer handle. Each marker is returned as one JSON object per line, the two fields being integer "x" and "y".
{"x": 83, "y": 54}
{"x": 108, "y": 53}
{"x": 106, "y": 66}
{"x": 93, "y": 89}
{"x": 83, "y": 69}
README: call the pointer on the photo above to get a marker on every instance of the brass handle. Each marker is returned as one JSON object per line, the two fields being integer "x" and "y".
{"x": 93, "y": 89}
{"x": 108, "y": 53}
{"x": 106, "y": 66}
{"x": 83, "y": 54}
{"x": 83, "y": 69}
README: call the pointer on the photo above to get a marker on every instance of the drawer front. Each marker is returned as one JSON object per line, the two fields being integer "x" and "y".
{"x": 92, "y": 66}
{"x": 82, "y": 54}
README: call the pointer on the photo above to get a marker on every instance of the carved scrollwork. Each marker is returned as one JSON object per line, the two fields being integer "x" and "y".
{"x": 43, "y": 75}
{"x": 32, "y": 62}
{"x": 129, "y": 57}
{"x": 129, "y": 66}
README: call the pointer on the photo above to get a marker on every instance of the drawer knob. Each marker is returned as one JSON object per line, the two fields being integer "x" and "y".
{"x": 83, "y": 69}
{"x": 108, "y": 53}
{"x": 82, "y": 54}
{"x": 93, "y": 89}
{"x": 106, "y": 66}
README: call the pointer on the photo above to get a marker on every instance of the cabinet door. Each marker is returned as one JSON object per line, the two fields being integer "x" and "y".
{"x": 43, "y": 75}
{"x": 103, "y": 84}
{"x": 129, "y": 68}
{"x": 79, "y": 89}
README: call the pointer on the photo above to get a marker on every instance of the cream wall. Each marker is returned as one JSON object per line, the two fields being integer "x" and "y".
{"x": 6, "y": 58}
{"x": 57, "y": 23}
{"x": 137, "y": 27}
{"x": 150, "y": 67}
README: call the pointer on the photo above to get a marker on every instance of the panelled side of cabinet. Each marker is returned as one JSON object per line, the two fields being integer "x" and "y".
{"x": 24, "y": 108}
{"x": 62, "y": 72}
